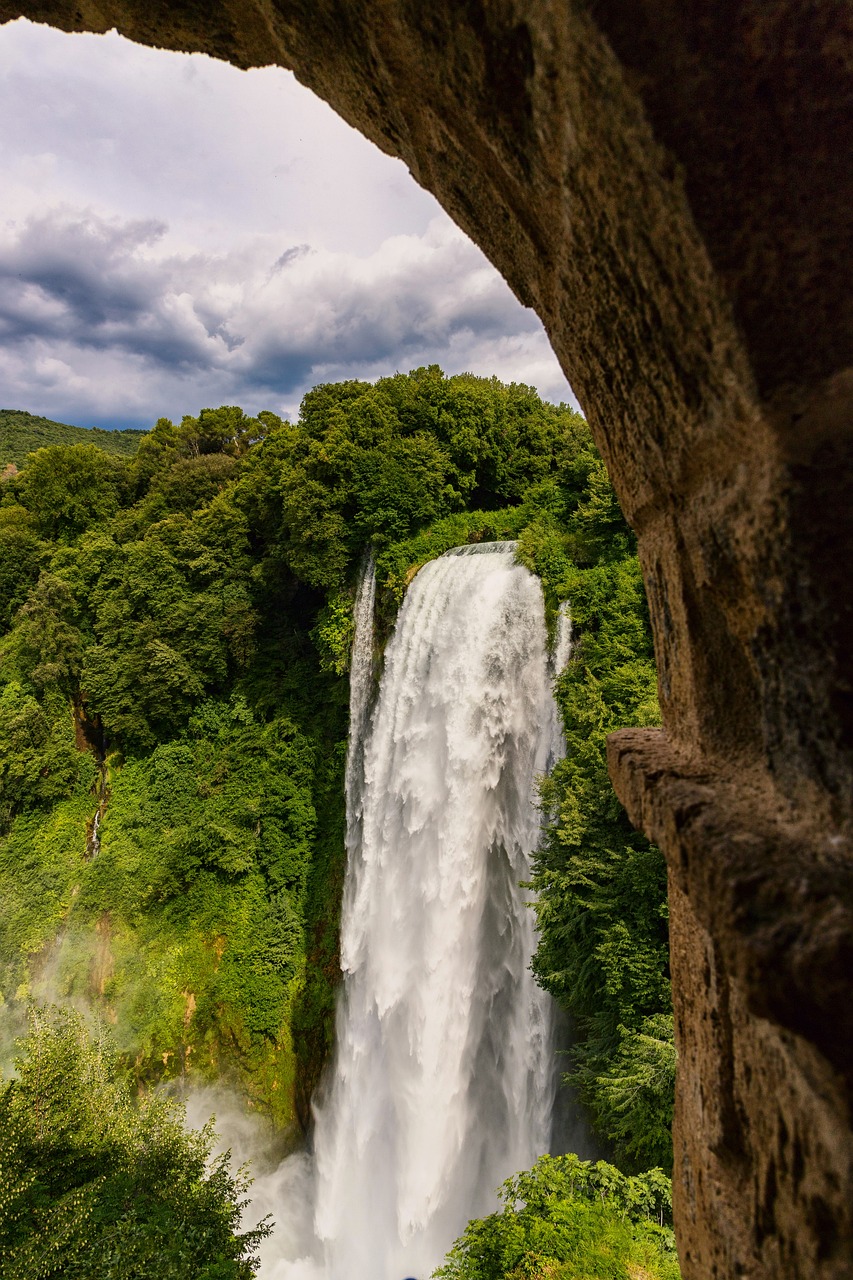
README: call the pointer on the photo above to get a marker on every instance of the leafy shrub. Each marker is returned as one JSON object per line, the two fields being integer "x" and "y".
{"x": 22, "y": 553}
{"x": 38, "y": 760}
{"x": 68, "y": 487}
{"x": 568, "y": 1219}
{"x": 94, "y": 1183}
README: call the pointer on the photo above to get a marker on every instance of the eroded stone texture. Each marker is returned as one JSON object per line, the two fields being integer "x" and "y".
{"x": 761, "y": 993}
{"x": 669, "y": 185}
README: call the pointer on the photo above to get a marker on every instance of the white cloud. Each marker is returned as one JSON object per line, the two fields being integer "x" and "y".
{"x": 180, "y": 233}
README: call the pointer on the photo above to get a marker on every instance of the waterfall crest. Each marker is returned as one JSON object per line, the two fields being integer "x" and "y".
{"x": 443, "y": 1080}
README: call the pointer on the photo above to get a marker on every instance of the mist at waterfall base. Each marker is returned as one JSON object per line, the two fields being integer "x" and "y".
{"x": 444, "y": 1075}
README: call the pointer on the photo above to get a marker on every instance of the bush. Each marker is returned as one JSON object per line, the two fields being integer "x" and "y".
{"x": 569, "y": 1219}
{"x": 94, "y": 1184}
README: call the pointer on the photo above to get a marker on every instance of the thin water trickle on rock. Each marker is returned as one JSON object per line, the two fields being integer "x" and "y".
{"x": 443, "y": 1079}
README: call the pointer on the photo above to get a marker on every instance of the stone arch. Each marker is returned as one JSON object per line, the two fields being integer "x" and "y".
{"x": 667, "y": 184}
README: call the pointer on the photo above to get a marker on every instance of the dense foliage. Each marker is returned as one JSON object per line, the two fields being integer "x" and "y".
{"x": 158, "y": 669}
{"x": 94, "y": 1183}
{"x": 22, "y": 433}
{"x": 601, "y": 887}
{"x": 380, "y": 464}
{"x": 175, "y": 639}
{"x": 567, "y": 1219}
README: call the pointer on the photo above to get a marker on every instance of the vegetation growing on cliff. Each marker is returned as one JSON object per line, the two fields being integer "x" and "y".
{"x": 174, "y": 646}
{"x": 601, "y": 887}
{"x": 159, "y": 671}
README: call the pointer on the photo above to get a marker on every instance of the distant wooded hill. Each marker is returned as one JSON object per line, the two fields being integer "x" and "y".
{"x": 21, "y": 433}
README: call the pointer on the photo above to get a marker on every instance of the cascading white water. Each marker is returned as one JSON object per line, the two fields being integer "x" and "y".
{"x": 360, "y": 682}
{"x": 443, "y": 1080}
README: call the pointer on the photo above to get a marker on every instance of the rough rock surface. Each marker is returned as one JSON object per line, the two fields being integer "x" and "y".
{"x": 669, "y": 185}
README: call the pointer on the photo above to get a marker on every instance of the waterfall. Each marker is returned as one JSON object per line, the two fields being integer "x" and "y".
{"x": 443, "y": 1079}
{"x": 360, "y": 682}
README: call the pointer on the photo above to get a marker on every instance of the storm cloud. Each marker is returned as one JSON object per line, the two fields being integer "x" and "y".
{"x": 121, "y": 300}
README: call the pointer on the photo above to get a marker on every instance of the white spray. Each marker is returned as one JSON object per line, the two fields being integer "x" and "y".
{"x": 443, "y": 1079}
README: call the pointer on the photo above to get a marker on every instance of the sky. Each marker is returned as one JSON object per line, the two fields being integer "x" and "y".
{"x": 176, "y": 233}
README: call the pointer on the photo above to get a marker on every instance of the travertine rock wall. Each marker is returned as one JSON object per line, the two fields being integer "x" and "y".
{"x": 669, "y": 185}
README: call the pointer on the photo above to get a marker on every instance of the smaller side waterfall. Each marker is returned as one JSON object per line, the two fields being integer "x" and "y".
{"x": 561, "y": 651}
{"x": 563, "y": 639}
{"x": 93, "y": 839}
{"x": 360, "y": 688}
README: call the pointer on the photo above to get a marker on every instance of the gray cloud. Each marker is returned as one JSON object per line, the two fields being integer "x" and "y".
{"x": 79, "y": 279}
{"x": 259, "y": 322}
{"x": 183, "y": 234}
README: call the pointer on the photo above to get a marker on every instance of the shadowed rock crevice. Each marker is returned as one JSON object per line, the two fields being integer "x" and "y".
{"x": 669, "y": 186}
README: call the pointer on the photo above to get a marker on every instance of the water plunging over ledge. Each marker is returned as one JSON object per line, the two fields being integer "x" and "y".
{"x": 443, "y": 1079}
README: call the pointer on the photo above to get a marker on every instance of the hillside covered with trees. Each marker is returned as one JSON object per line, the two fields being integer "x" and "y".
{"x": 21, "y": 433}
{"x": 175, "y": 628}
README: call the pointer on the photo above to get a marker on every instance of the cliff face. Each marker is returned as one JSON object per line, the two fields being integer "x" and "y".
{"x": 666, "y": 184}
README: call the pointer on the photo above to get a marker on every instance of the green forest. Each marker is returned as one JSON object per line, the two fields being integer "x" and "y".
{"x": 175, "y": 626}
{"x": 21, "y": 433}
